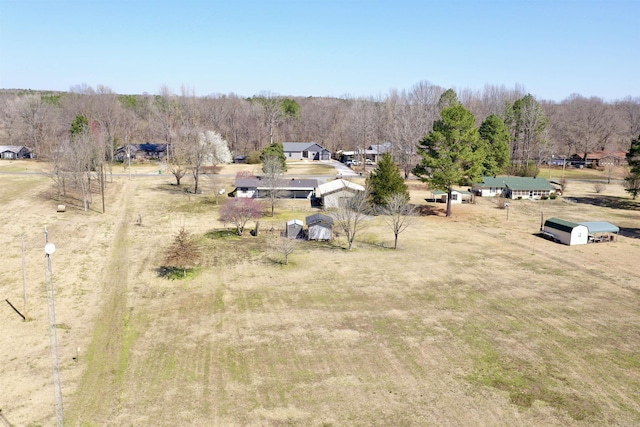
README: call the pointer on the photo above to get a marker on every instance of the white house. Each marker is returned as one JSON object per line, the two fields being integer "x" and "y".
{"x": 335, "y": 192}
{"x": 513, "y": 187}
{"x": 569, "y": 233}
{"x": 305, "y": 151}
{"x": 287, "y": 188}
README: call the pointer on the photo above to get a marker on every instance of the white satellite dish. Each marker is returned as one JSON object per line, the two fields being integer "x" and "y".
{"x": 49, "y": 248}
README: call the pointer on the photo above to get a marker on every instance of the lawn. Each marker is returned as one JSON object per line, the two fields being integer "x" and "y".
{"x": 474, "y": 320}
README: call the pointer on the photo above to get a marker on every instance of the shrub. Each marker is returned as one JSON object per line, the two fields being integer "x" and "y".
{"x": 553, "y": 196}
{"x": 254, "y": 158}
{"x": 599, "y": 187}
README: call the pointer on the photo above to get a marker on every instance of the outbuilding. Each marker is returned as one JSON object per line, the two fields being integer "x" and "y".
{"x": 320, "y": 227}
{"x": 567, "y": 232}
{"x": 601, "y": 231}
{"x": 336, "y": 193}
{"x": 295, "y": 229}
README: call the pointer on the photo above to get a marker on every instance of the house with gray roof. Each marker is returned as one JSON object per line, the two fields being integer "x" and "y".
{"x": 287, "y": 188}
{"x": 12, "y": 152}
{"x": 513, "y": 187}
{"x": 305, "y": 151}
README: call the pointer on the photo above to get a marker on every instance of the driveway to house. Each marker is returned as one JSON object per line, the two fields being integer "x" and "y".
{"x": 342, "y": 169}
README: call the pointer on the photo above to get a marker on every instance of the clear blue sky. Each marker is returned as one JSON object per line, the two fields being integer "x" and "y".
{"x": 322, "y": 47}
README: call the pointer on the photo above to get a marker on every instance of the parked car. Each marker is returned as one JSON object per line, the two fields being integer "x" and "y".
{"x": 369, "y": 162}
{"x": 356, "y": 163}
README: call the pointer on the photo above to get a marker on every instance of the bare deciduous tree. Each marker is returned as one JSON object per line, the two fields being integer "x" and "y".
{"x": 239, "y": 211}
{"x": 350, "y": 216}
{"x": 398, "y": 213}
{"x": 285, "y": 247}
{"x": 273, "y": 179}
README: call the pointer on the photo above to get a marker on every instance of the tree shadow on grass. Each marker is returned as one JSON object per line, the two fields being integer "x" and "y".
{"x": 427, "y": 210}
{"x": 609, "y": 202}
{"x": 633, "y": 233}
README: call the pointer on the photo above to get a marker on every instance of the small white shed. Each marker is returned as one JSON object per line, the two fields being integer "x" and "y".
{"x": 567, "y": 232}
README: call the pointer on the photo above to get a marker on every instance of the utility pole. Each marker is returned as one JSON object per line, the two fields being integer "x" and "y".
{"x": 49, "y": 249}
{"x": 24, "y": 281}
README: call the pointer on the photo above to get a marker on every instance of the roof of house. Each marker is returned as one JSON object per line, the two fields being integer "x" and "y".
{"x": 561, "y": 224}
{"x": 337, "y": 185}
{"x": 515, "y": 183}
{"x": 600, "y": 227}
{"x": 319, "y": 218}
{"x": 287, "y": 184}
{"x": 302, "y": 146}
{"x": 144, "y": 147}
{"x": 385, "y": 147}
{"x": 12, "y": 148}
{"x": 294, "y": 221}
{"x": 597, "y": 155}
{"x": 441, "y": 193}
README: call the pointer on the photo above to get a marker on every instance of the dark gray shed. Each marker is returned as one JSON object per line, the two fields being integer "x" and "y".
{"x": 320, "y": 227}
{"x": 295, "y": 229}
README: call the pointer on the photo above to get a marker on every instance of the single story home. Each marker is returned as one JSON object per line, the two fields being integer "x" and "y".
{"x": 141, "y": 152}
{"x": 599, "y": 159}
{"x": 457, "y": 197}
{"x": 305, "y": 151}
{"x": 369, "y": 154}
{"x": 567, "y": 232}
{"x": 334, "y": 193}
{"x": 293, "y": 188}
{"x": 320, "y": 227}
{"x": 13, "y": 152}
{"x": 513, "y": 187}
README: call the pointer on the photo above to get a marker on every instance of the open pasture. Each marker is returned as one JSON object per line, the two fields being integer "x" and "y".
{"x": 473, "y": 320}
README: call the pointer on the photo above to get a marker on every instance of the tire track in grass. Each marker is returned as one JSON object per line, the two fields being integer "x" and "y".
{"x": 97, "y": 400}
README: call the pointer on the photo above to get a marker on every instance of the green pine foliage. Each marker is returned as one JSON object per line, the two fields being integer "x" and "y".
{"x": 451, "y": 153}
{"x": 632, "y": 181}
{"x": 386, "y": 179}
{"x": 275, "y": 150}
{"x": 495, "y": 134}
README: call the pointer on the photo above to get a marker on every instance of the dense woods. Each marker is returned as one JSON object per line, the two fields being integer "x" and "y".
{"x": 537, "y": 128}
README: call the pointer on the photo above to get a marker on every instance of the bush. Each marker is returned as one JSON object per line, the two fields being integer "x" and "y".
{"x": 254, "y": 158}
{"x": 599, "y": 187}
{"x": 553, "y": 196}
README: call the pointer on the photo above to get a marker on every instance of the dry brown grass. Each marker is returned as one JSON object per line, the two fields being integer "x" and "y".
{"x": 474, "y": 320}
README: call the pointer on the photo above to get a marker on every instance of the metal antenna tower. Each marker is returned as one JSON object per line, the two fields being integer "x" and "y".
{"x": 49, "y": 249}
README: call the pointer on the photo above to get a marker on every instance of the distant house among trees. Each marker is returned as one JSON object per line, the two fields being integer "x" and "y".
{"x": 305, "y": 151}
{"x": 257, "y": 188}
{"x": 12, "y": 152}
{"x": 333, "y": 194}
{"x": 599, "y": 159}
{"x": 141, "y": 152}
{"x": 513, "y": 187}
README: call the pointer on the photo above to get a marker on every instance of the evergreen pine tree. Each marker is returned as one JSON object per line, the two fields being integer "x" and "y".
{"x": 386, "y": 179}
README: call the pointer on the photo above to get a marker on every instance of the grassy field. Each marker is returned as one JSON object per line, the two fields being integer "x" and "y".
{"x": 473, "y": 320}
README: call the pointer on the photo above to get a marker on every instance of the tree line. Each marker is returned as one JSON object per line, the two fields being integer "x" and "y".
{"x": 538, "y": 129}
